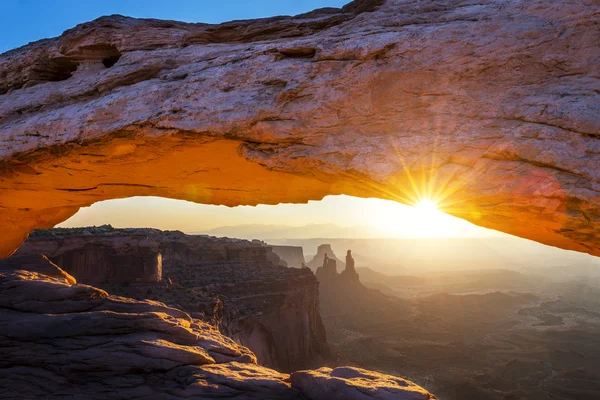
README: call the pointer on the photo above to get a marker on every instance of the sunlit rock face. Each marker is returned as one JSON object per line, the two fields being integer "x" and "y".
{"x": 491, "y": 108}
{"x": 60, "y": 339}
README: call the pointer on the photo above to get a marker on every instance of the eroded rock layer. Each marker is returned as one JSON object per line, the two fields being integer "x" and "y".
{"x": 292, "y": 255}
{"x": 60, "y": 339}
{"x": 236, "y": 284}
{"x": 489, "y": 107}
{"x": 105, "y": 258}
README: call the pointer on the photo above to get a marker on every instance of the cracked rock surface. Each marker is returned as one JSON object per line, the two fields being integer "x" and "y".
{"x": 60, "y": 339}
{"x": 490, "y": 107}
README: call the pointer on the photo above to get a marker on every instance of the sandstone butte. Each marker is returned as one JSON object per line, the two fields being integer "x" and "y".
{"x": 490, "y": 107}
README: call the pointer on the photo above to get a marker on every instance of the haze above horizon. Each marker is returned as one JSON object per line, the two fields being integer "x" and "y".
{"x": 334, "y": 216}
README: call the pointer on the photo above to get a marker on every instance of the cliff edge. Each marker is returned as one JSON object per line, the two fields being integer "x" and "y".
{"x": 61, "y": 339}
{"x": 235, "y": 284}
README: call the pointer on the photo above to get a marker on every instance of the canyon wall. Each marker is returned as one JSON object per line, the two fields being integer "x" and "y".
{"x": 292, "y": 255}
{"x": 235, "y": 283}
{"x": 490, "y": 108}
{"x": 105, "y": 259}
{"x": 60, "y": 339}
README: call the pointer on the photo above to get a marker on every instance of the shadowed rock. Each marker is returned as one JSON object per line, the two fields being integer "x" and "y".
{"x": 234, "y": 284}
{"x": 349, "y": 273}
{"x": 59, "y": 339}
{"x": 292, "y": 255}
{"x": 319, "y": 259}
{"x": 36, "y": 263}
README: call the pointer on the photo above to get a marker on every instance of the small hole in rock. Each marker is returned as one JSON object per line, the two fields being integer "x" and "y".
{"x": 110, "y": 61}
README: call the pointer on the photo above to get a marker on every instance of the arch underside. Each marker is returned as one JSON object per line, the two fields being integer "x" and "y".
{"x": 491, "y": 110}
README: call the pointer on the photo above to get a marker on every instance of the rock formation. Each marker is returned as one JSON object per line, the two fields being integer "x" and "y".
{"x": 60, "y": 339}
{"x": 349, "y": 273}
{"x": 327, "y": 274}
{"x": 235, "y": 283}
{"x": 491, "y": 108}
{"x": 108, "y": 258}
{"x": 319, "y": 259}
{"x": 344, "y": 294}
{"x": 328, "y": 271}
{"x": 292, "y": 255}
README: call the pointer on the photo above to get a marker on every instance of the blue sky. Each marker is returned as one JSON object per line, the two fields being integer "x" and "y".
{"x": 24, "y": 21}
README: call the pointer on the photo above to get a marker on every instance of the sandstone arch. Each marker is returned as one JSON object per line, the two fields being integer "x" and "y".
{"x": 492, "y": 107}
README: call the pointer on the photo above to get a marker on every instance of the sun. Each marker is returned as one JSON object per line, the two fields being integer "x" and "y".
{"x": 427, "y": 206}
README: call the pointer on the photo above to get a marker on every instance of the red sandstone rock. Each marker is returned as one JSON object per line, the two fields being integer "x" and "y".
{"x": 355, "y": 383}
{"x": 491, "y": 108}
{"x": 233, "y": 283}
{"x": 106, "y": 258}
{"x": 59, "y": 339}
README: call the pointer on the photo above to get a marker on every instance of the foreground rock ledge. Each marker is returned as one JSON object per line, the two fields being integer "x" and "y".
{"x": 60, "y": 339}
{"x": 237, "y": 285}
{"x": 490, "y": 107}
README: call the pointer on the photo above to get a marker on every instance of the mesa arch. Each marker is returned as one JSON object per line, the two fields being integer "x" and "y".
{"x": 492, "y": 107}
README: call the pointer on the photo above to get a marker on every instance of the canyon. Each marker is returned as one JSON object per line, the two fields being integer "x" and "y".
{"x": 490, "y": 108}
{"x": 487, "y": 334}
{"x": 237, "y": 284}
{"x": 61, "y": 339}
